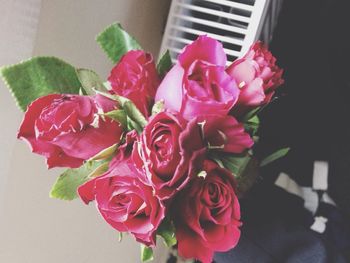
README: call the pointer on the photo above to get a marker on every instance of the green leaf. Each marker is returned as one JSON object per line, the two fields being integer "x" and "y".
{"x": 90, "y": 81}
{"x": 252, "y": 125}
{"x": 248, "y": 177}
{"x": 146, "y": 253}
{"x": 136, "y": 120}
{"x": 273, "y": 157}
{"x": 164, "y": 64}
{"x": 38, "y": 77}
{"x": 250, "y": 114}
{"x": 116, "y": 42}
{"x": 119, "y": 116}
{"x": 158, "y": 107}
{"x": 99, "y": 170}
{"x": 106, "y": 153}
{"x": 167, "y": 231}
{"x": 66, "y": 185}
{"x": 134, "y": 114}
{"x": 236, "y": 163}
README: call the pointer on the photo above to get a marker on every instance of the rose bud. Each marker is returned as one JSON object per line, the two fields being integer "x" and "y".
{"x": 207, "y": 214}
{"x": 125, "y": 202}
{"x": 135, "y": 77}
{"x": 198, "y": 83}
{"x": 169, "y": 151}
{"x": 67, "y": 130}
{"x": 257, "y": 76}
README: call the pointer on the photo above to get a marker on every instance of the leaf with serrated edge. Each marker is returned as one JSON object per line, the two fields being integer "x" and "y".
{"x": 39, "y": 76}
{"x": 66, "y": 185}
{"x": 116, "y": 42}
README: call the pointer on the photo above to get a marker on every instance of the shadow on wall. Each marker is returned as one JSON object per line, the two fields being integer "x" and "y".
{"x": 68, "y": 28}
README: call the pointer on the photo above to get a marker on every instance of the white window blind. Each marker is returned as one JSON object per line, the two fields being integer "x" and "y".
{"x": 236, "y": 23}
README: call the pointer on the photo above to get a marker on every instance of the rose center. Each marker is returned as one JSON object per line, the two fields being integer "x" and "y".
{"x": 203, "y": 84}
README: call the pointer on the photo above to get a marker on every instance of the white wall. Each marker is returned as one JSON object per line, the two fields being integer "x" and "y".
{"x": 33, "y": 227}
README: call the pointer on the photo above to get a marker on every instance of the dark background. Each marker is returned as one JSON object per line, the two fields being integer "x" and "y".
{"x": 312, "y": 44}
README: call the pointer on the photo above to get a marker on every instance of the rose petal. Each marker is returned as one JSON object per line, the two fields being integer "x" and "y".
{"x": 190, "y": 246}
{"x": 87, "y": 191}
{"x": 170, "y": 89}
{"x": 203, "y": 48}
{"x": 242, "y": 71}
{"x": 252, "y": 94}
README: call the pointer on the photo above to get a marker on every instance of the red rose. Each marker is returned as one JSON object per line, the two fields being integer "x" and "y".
{"x": 198, "y": 83}
{"x": 125, "y": 202}
{"x": 207, "y": 214}
{"x": 224, "y": 133}
{"x": 257, "y": 75}
{"x": 67, "y": 130}
{"x": 169, "y": 150}
{"x": 135, "y": 77}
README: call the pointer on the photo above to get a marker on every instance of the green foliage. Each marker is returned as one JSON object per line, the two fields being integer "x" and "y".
{"x": 90, "y": 81}
{"x": 135, "y": 119}
{"x": 252, "y": 125}
{"x": 134, "y": 114}
{"x": 167, "y": 231}
{"x": 38, "y": 77}
{"x": 119, "y": 116}
{"x": 66, "y": 185}
{"x": 248, "y": 177}
{"x": 105, "y": 153}
{"x": 273, "y": 157}
{"x": 250, "y": 114}
{"x": 164, "y": 64}
{"x": 235, "y": 163}
{"x": 158, "y": 107}
{"x": 146, "y": 253}
{"x": 116, "y": 42}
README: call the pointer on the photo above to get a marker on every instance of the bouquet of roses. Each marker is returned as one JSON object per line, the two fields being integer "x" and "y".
{"x": 163, "y": 150}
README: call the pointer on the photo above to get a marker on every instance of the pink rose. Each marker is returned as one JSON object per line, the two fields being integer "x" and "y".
{"x": 207, "y": 214}
{"x": 198, "y": 83}
{"x": 125, "y": 202}
{"x": 135, "y": 77}
{"x": 67, "y": 130}
{"x": 169, "y": 151}
{"x": 257, "y": 75}
{"x": 224, "y": 133}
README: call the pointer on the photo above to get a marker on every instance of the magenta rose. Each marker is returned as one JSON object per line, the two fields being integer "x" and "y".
{"x": 169, "y": 150}
{"x": 224, "y": 133}
{"x": 257, "y": 75}
{"x": 67, "y": 130}
{"x": 207, "y": 214}
{"x": 135, "y": 77}
{"x": 125, "y": 202}
{"x": 198, "y": 83}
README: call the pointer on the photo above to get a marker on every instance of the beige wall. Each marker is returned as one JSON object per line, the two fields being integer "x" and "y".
{"x": 33, "y": 227}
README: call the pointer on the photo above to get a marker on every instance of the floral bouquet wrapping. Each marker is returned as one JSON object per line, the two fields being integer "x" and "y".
{"x": 163, "y": 150}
